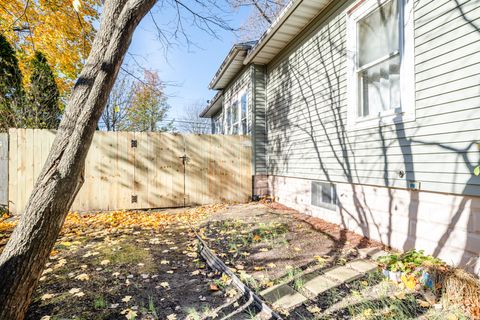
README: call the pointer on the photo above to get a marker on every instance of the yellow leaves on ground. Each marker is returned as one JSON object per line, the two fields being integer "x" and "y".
{"x": 80, "y": 223}
{"x": 130, "y": 314}
{"x": 127, "y": 299}
{"x": 104, "y": 262}
{"x": 6, "y": 225}
{"x": 47, "y": 296}
{"x": 83, "y": 277}
{"x": 77, "y": 292}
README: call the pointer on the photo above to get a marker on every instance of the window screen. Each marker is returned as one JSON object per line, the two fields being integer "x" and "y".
{"x": 324, "y": 195}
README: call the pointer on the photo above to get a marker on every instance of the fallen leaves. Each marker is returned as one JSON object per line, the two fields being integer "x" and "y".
{"x": 47, "y": 296}
{"x": 127, "y": 299}
{"x": 77, "y": 292}
{"x": 83, "y": 277}
{"x": 104, "y": 262}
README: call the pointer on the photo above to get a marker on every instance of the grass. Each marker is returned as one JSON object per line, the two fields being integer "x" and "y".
{"x": 127, "y": 254}
{"x": 99, "y": 303}
{"x": 151, "y": 307}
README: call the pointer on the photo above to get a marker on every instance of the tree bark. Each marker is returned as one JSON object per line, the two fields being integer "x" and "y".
{"x": 28, "y": 249}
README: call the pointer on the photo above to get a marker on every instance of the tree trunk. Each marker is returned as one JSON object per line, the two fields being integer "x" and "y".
{"x": 28, "y": 249}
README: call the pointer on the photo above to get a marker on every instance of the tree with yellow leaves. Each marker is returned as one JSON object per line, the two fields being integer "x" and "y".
{"x": 62, "y": 32}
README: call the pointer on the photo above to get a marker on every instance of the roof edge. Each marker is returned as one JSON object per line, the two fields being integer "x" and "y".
{"x": 211, "y": 105}
{"x": 236, "y": 49}
{"x": 279, "y": 21}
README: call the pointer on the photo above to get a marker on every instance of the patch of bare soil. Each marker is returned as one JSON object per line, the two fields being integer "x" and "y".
{"x": 272, "y": 241}
{"x": 270, "y": 244}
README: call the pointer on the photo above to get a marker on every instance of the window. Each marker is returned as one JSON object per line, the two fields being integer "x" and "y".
{"x": 228, "y": 119}
{"x": 244, "y": 113}
{"x": 380, "y": 45}
{"x": 324, "y": 194}
{"x": 235, "y": 118}
{"x": 236, "y": 114}
{"x": 217, "y": 125}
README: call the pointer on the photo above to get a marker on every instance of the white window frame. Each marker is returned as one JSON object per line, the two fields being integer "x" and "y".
{"x": 237, "y": 123}
{"x": 355, "y": 13}
{"x": 241, "y": 93}
{"x": 236, "y": 98}
{"x": 227, "y": 127}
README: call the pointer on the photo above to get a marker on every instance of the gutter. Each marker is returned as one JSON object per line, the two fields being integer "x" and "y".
{"x": 264, "y": 39}
{"x": 236, "y": 49}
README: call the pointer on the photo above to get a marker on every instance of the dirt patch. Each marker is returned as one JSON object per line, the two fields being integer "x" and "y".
{"x": 272, "y": 245}
{"x": 127, "y": 265}
{"x": 268, "y": 242}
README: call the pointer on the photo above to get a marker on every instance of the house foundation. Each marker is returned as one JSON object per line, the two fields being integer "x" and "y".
{"x": 444, "y": 225}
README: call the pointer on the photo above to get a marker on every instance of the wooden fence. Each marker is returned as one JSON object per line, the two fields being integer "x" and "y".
{"x": 131, "y": 170}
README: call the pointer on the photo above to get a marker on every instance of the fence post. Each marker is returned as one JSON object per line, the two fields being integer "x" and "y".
{"x": 3, "y": 171}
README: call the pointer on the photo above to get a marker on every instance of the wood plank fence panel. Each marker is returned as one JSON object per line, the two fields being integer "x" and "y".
{"x": 4, "y": 170}
{"x": 122, "y": 167}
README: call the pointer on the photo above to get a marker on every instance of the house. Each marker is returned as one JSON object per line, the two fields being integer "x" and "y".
{"x": 366, "y": 113}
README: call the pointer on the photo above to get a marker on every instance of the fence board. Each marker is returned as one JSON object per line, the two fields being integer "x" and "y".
{"x": 4, "y": 170}
{"x": 218, "y": 169}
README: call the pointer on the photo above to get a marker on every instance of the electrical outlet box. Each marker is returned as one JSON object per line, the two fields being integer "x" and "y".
{"x": 413, "y": 185}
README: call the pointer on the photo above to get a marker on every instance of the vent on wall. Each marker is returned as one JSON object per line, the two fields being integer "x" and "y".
{"x": 324, "y": 194}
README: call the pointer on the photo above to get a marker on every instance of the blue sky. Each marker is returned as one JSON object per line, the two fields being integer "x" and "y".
{"x": 187, "y": 69}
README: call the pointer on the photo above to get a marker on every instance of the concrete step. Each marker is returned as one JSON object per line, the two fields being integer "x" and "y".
{"x": 283, "y": 296}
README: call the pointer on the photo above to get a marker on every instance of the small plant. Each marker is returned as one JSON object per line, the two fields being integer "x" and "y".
{"x": 100, "y": 303}
{"x": 151, "y": 307}
{"x": 408, "y": 262}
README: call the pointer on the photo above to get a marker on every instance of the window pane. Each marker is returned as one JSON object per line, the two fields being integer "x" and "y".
{"x": 243, "y": 101}
{"x": 229, "y": 117}
{"x": 244, "y": 126}
{"x": 378, "y": 33}
{"x": 380, "y": 87}
{"x": 235, "y": 112}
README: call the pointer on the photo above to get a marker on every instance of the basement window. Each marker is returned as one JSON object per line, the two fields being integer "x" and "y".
{"x": 324, "y": 194}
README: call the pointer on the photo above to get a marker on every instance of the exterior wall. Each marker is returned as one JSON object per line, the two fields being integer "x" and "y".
{"x": 260, "y": 185}
{"x": 399, "y": 218}
{"x": 259, "y": 129}
{"x": 307, "y": 138}
{"x": 307, "y": 107}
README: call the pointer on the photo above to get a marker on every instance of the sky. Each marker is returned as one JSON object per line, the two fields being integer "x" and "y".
{"x": 187, "y": 69}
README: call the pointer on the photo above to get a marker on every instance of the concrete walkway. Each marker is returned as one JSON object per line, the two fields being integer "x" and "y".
{"x": 285, "y": 297}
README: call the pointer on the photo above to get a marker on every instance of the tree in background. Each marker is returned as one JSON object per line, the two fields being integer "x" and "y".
{"x": 190, "y": 121}
{"x": 62, "y": 32}
{"x": 11, "y": 90}
{"x": 148, "y": 107}
{"x": 43, "y": 108}
{"x": 263, "y": 14}
{"x": 118, "y": 103}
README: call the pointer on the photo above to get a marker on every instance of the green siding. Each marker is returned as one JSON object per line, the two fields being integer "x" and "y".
{"x": 307, "y": 106}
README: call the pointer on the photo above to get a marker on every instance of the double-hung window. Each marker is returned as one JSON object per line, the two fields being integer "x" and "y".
{"x": 235, "y": 118}
{"x": 380, "y": 70}
{"x": 244, "y": 113}
{"x": 217, "y": 125}
{"x": 228, "y": 119}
